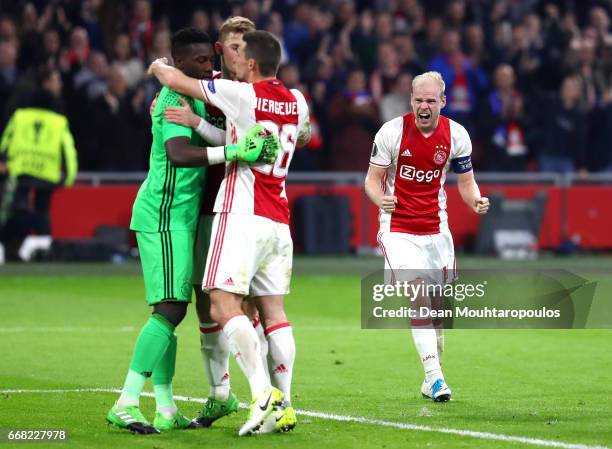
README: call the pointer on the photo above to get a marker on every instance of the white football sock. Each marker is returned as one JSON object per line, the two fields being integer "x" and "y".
{"x": 215, "y": 355}
{"x": 281, "y": 355}
{"x": 425, "y": 341}
{"x": 244, "y": 344}
{"x": 263, "y": 343}
{"x": 439, "y": 340}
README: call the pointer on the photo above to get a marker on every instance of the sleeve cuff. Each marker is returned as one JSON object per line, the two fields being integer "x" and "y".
{"x": 380, "y": 165}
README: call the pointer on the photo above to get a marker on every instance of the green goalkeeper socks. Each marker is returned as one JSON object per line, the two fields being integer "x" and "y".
{"x": 162, "y": 380}
{"x": 151, "y": 345}
{"x": 150, "y": 348}
{"x": 164, "y": 370}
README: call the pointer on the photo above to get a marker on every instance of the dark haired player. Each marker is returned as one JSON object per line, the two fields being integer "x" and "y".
{"x": 165, "y": 217}
{"x": 254, "y": 198}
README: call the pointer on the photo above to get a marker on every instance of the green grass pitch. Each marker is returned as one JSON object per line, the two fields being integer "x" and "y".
{"x": 72, "y": 327}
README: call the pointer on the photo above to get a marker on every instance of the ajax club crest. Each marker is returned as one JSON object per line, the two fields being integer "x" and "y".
{"x": 440, "y": 154}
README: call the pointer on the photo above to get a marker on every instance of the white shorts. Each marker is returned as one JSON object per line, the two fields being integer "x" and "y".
{"x": 249, "y": 255}
{"x": 408, "y": 256}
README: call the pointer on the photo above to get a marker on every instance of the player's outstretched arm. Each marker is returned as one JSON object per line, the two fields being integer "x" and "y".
{"x": 469, "y": 191}
{"x": 373, "y": 188}
{"x": 258, "y": 146}
{"x": 174, "y": 79}
{"x": 182, "y": 154}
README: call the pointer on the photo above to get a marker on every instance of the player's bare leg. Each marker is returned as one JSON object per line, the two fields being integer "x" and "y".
{"x": 243, "y": 342}
{"x": 214, "y": 347}
{"x": 425, "y": 341}
{"x": 281, "y": 357}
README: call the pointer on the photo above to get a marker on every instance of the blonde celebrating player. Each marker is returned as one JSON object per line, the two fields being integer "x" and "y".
{"x": 410, "y": 158}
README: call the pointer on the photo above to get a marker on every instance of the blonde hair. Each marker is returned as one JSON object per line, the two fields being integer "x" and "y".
{"x": 430, "y": 76}
{"x": 236, "y": 24}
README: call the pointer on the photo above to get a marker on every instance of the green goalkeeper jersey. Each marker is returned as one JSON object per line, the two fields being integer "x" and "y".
{"x": 169, "y": 199}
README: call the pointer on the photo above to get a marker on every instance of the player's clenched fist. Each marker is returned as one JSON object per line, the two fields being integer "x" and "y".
{"x": 388, "y": 203}
{"x": 259, "y": 145}
{"x": 481, "y": 205}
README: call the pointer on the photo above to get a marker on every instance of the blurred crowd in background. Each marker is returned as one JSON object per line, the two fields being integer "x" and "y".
{"x": 530, "y": 80}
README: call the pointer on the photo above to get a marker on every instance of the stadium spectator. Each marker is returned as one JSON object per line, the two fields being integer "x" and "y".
{"x": 408, "y": 16}
{"x": 50, "y": 52}
{"x": 543, "y": 42}
{"x": 599, "y": 20}
{"x": 29, "y": 36}
{"x": 90, "y": 81}
{"x": 297, "y": 31}
{"x": 200, "y": 20}
{"x": 407, "y": 58}
{"x": 599, "y": 157}
{"x": 363, "y": 41}
{"x": 274, "y": 25}
{"x": 76, "y": 55}
{"x": 429, "y": 38}
{"x": 8, "y": 69}
{"x": 383, "y": 26}
{"x": 503, "y": 123}
{"x": 384, "y": 76}
{"x": 161, "y": 45}
{"x": 140, "y": 28}
{"x": 134, "y": 67}
{"x": 592, "y": 79}
{"x": 355, "y": 119}
{"x": 455, "y": 15}
{"x": 563, "y": 139}
{"x": 90, "y": 21}
{"x": 8, "y": 30}
{"x": 397, "y": 102}
{"x": 120, "y": 118}
{"x": 524, "y": 57}
{"x": 475, "y": 47}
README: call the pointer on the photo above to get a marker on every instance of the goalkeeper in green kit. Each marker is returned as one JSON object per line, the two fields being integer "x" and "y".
{"x": 165, "y": 217}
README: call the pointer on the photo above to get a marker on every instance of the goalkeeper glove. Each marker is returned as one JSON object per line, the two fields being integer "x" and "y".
{"x": 259, "y": 145}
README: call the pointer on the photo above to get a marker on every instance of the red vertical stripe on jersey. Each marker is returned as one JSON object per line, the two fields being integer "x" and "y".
{"x": 420, "y": 166}
{"x": 216, "y": 252}
{"x": 230, "y": 188}
{"x": 268, "y": 188}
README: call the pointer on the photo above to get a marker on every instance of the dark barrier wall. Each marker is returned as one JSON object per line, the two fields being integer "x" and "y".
{"x": 577, "y": 212}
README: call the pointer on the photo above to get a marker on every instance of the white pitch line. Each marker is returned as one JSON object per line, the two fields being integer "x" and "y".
{"x": 12, "y": 330}
{"x": 356, "y": 419}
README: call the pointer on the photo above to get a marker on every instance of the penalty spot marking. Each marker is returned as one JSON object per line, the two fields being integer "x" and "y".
{"x": 355, "y": 419}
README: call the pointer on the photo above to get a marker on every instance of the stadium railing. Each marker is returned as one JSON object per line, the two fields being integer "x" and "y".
{"x": 575, "y": 211}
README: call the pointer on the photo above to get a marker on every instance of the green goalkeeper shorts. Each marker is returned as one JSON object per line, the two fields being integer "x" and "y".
{"x": 167, "y": 265}
{"x": 200, "y": 250}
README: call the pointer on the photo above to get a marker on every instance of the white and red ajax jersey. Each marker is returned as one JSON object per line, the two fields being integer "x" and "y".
{"x": 416, "y": 170}
{"x": 257, "y": 189}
